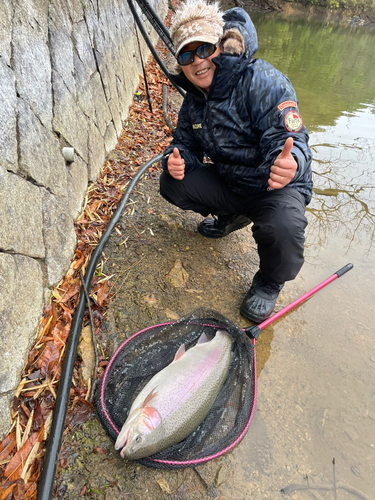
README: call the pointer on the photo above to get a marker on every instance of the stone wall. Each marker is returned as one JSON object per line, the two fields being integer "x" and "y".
{"x": 68, "y": 71}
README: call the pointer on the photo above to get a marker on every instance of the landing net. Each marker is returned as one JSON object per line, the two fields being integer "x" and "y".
{"x": 147, "y": 352}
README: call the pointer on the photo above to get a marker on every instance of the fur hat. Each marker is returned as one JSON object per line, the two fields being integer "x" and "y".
{"x": 196, "y": 21}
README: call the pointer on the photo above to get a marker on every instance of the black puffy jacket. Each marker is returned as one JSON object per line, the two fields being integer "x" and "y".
{"x": 243, "y": 122}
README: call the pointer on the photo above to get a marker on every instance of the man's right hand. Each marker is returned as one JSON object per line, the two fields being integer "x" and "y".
{"x": 176, "y": 165}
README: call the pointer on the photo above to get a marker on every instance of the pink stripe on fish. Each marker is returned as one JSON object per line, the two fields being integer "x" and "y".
{"x": 200, "y": 374}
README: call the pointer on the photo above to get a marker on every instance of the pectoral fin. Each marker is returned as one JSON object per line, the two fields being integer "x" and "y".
{"x": 180, "y": 352}
{"x": 202, "y": 339}
{"x": 149, "y": 397}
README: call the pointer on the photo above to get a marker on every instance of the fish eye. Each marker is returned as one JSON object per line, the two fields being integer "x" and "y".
{"x": 138, "y": 439}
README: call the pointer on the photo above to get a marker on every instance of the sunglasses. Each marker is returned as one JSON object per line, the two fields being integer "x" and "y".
{"x": 203, "y": 51}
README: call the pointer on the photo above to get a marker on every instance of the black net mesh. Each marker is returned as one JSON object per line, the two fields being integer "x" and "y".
{"x": 148, "y": 352}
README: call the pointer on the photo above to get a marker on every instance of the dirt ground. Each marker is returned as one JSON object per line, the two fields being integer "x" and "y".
{"x": 152, "y": 239}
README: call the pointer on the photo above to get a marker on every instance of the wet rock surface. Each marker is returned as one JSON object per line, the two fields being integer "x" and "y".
{"x": 162, "y": 269}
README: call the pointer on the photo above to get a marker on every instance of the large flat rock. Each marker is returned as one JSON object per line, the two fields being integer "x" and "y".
{"x": 21, "y": 300}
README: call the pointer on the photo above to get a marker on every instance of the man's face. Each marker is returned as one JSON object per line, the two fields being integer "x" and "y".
{"x": 201, "y": 71}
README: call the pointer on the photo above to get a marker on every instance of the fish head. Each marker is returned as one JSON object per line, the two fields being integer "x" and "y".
{"x": 139, "y": 434}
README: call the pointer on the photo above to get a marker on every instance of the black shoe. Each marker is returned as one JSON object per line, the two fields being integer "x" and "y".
{"x": 222, "y": 225}
{"x": 260, "y": 300}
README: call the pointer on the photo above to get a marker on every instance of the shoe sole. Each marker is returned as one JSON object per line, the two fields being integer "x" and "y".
{"x": 240, "y": 226}
{"x": 211, "y": 236}
{"x": 253, "y": 318}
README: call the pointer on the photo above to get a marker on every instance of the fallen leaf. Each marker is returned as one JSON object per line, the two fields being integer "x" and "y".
{"x": 30, "y": 493}
{"x": 7, "y": 445}
{"x": 100, "y": 450}
{"x": 83, "y": 491}
{"x": 164, "y": 486}
{"x": 171, "y": 315}
{"x": 79, "y": 415}
{"x": 181, "y": 493}
{"x": 16, "y": 488}
{"x": 103, "y": 294}
{"x": 86, "y": 352}
{"x": 14, "y": 468}
{"x": 177, "y": 276}
{"x": 49, "y": 356}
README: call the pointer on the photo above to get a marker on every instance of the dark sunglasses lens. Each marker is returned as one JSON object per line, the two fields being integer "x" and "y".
{"x": 185, "y": 58}
{"x": 205, "y": 50}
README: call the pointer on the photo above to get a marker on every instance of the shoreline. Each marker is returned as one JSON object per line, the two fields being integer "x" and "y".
{"x": 340, "y": 16}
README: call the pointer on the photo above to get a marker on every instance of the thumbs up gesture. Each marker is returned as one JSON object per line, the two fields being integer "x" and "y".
{"x": 284, "y": 167}
{"x": 176, "y": 165}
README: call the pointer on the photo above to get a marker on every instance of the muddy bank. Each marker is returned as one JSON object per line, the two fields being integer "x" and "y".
{"x": 162, "y": 269}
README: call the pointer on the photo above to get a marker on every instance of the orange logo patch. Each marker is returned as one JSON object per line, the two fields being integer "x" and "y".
{"x": 287, "y": 104}
{"x": 293, "y": 121}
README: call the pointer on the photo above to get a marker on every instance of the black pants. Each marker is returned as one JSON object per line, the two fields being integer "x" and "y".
{"x": 278, "y": 216}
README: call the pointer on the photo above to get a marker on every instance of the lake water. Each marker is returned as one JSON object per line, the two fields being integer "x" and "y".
{"x": 316, "y": 378}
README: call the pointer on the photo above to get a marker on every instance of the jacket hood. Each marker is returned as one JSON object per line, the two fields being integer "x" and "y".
{"x": 239, "y": 19}
{"x": 234, "y": 57}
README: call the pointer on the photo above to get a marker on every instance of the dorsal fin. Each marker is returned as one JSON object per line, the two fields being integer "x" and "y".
{"x": 180, "y": 352}
{"x": 203, "y": 339}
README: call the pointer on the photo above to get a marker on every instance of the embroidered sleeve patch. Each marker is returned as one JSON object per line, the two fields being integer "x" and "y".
{"x": 287, "y": 104}
{"x": 293, "y": 121}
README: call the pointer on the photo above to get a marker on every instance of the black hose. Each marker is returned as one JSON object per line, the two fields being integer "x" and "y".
{"x": 144, "y": 70}
{"x": 157, "y": 24}
{"x": 152, "y": 48}
{"x": 54, "y": 441}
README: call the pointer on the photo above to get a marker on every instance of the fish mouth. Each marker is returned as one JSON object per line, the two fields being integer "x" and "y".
{"x": 122, "y": 453}
{"x": 121, "y": 442}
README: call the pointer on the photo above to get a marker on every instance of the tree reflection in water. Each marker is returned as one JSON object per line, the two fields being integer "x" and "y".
{"x": 343, "y": 201}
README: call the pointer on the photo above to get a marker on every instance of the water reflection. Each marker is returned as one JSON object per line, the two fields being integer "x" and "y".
{"x": 332, "y": 70}
{"x": 344, "y": 179}
{"x": 331, "y": 67}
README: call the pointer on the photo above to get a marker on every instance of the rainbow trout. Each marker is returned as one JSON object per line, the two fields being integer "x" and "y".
{"x": 177, "y": 399}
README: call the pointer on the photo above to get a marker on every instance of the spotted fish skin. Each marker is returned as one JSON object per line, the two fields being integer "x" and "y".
{"x": 177, "y": 399}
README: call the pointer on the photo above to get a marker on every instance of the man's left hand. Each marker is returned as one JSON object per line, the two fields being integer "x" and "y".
{"x": 284, "y": 167}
